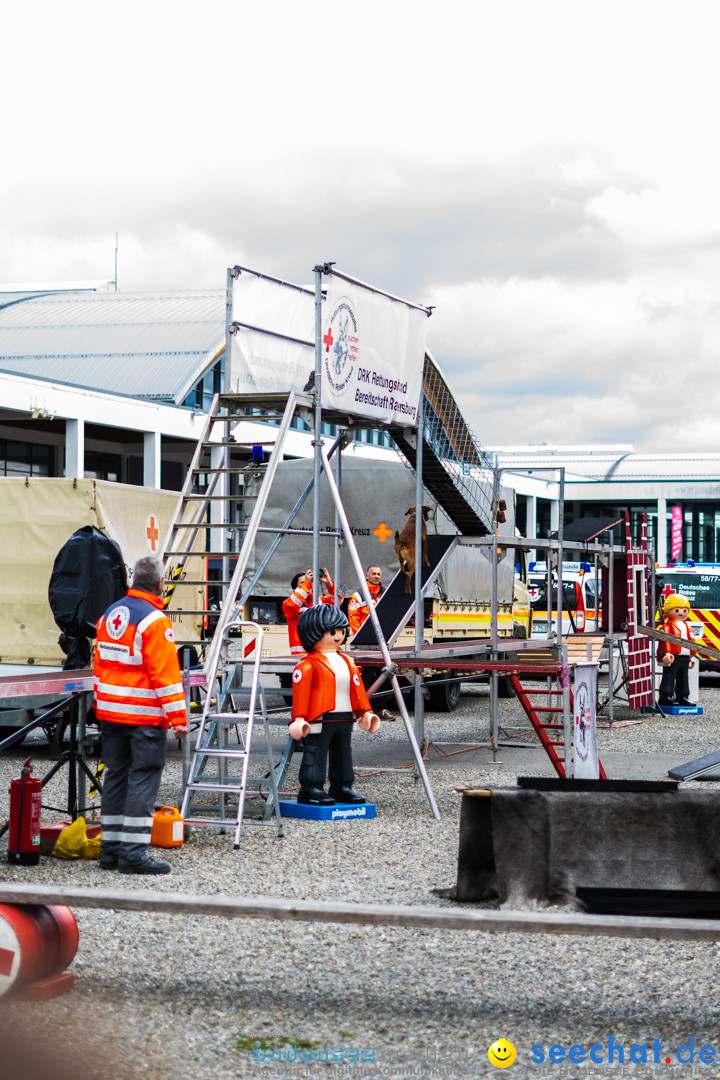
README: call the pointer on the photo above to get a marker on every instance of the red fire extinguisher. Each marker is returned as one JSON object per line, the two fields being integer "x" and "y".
{"x": 25, "y": 810}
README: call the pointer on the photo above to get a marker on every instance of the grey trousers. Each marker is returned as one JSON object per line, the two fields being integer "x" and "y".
{"x": 134, "y": 758}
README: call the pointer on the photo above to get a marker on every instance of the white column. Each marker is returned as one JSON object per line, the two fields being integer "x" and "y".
{"x": 554, "y": 515}
{"x": 661, "y": 547}
{"x": 151, "y": 459}
{"x": 217, "y": 508}
{"x": 531, "y": 522}
{"x": 75, "y": 448}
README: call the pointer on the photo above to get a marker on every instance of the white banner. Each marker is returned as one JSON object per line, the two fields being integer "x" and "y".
{"x": 585, "y": 758}
{"x": 373, "y": 346}
{"x": 263, "y": 363}
{"x": 373, "y": 349}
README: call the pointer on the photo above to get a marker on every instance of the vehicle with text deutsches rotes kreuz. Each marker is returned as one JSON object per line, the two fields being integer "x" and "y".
{"x": 579, "y": 598}
{"x": 700, "y": 583}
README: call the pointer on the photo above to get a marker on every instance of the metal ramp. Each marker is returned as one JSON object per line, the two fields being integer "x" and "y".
{"x": 456, "y": 470}
{"x": 214, "y": 757}
{"x": 395, "y": 607}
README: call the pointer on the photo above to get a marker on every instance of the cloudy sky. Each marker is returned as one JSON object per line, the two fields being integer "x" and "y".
{"x": 545, "y": 174}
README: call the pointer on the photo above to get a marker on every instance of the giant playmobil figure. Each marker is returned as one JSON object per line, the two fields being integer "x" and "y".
{"x": 328, "y": 697}
{"x": 676, "y": 659}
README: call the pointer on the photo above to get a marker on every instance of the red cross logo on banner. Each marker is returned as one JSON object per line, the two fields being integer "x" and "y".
{"x": 667, "y": 591}
{"x": 152, "y": 533}
{"x": 382, "y": 532}
{"x": 328, "y": 340}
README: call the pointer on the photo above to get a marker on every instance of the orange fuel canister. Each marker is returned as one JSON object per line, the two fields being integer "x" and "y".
{"x": 168, "y": 829}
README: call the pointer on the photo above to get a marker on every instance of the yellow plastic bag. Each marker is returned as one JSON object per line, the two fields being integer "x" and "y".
{"x": 73, "y": 843}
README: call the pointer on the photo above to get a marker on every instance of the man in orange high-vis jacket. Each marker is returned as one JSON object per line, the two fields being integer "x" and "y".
{"x": 300, "y": 599}
{"x": 138, "y": 696}
{"x": 357, "y": 608}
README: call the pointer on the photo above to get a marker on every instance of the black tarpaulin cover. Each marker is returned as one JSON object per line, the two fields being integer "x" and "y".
{"x": 88, "y": 575}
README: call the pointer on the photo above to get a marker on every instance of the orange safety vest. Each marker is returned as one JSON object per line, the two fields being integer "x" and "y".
{"x": 358, "y": 609}
{"x": 298, "y": 601}
{"x": 136, "y": 666}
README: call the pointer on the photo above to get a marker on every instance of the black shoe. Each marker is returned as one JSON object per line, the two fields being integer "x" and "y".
{"x": 688, "y": 704}
{"x": 315, "y": 796}
{"x": 665, "y": 702}
{"x": 347, "y": 795}
{"x": 145, "y": 866}
{"x": 108, "y": 864}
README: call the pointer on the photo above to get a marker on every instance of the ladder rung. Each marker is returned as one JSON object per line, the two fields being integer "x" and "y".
{"x": 199, "y": 581}
{"x": 547, "y": 708}
{"x": 193, "y": 785}
{"x": 222, "y": 823}
{"x": 233, "y": 444}
{"x": 221, "y": 753}
{"x": 548, "y": 727}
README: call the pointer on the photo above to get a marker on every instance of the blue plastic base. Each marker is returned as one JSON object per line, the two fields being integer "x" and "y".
{"x": 677, "y": 710}
{"x": 338, "y": 812}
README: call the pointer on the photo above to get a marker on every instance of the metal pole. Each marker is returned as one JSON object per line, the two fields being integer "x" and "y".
{"x": 567, "y": 719}
{"x": 379, "y": 635}
{"x": 611, "y": 633}
{"x": 338, "y": 539}
{"x": 419, "y": 603}
{"x": 318, "y": 436}
{"x": 561, "y": 520}
{"x": 494, "y": 723}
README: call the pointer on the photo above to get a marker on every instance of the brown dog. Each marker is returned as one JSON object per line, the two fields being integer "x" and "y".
{"x": 405, "y": 544}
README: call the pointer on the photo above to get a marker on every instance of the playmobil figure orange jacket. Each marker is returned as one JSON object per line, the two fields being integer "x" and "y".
{"x": 136, "y": 666}
{"x": 672, "y": 626}
{"x": 314, "y": 688}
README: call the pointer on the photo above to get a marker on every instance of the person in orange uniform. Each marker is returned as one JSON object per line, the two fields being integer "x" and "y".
{"x": 328, "y": 697}
{"x": 138, "y": 696}
{"x": 300, "y": 599}
{"x": 676, "y": 659}
{"x": 357, "y": 608}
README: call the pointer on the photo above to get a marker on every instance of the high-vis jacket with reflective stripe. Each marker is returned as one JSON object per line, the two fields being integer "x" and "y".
{"x": 297, "y": 602}
{"x": 136, "y": 666}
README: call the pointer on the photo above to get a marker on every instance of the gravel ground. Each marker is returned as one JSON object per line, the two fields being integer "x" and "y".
{"x": 186, "y": 997}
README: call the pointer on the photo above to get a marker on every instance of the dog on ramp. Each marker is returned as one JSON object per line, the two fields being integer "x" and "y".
{"x": 405, "y": 543}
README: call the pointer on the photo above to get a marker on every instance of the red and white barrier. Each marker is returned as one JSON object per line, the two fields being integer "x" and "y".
{"x": 36, "y": 945}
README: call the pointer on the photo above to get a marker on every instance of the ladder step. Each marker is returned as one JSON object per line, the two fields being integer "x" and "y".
{"x": 547, "y": 708}
{"x": 199, "y": 581}
{"x": 209, "y": 752}
{"x": 195, "y": 785}
{"x": 549, "y": 727}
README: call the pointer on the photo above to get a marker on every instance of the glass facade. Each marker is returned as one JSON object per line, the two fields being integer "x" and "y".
{"x": 25, "y": 459}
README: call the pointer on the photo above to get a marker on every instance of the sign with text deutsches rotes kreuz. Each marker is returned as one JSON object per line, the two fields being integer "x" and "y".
{"x": 373, "y": 350}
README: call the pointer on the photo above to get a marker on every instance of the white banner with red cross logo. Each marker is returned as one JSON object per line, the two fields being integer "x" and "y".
{"x": 373, "y": 350}
{"x": 373, "y": 346}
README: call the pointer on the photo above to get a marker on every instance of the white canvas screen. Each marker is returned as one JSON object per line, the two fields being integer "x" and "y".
{"x": 260, "y": 362}
{"x": 373, "y": 348}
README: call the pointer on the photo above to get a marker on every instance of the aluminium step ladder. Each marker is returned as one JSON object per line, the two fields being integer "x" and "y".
{"x": 546, "y": 719}
{"x": 211, "y": 772}
{"x": 211, "y": 506}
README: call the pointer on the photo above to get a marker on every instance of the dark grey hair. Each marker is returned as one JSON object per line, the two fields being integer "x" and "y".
{"x": 147, "y": 574}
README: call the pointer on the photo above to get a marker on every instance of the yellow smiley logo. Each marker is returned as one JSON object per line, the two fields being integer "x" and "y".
{"x": 501, "y": 1054}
